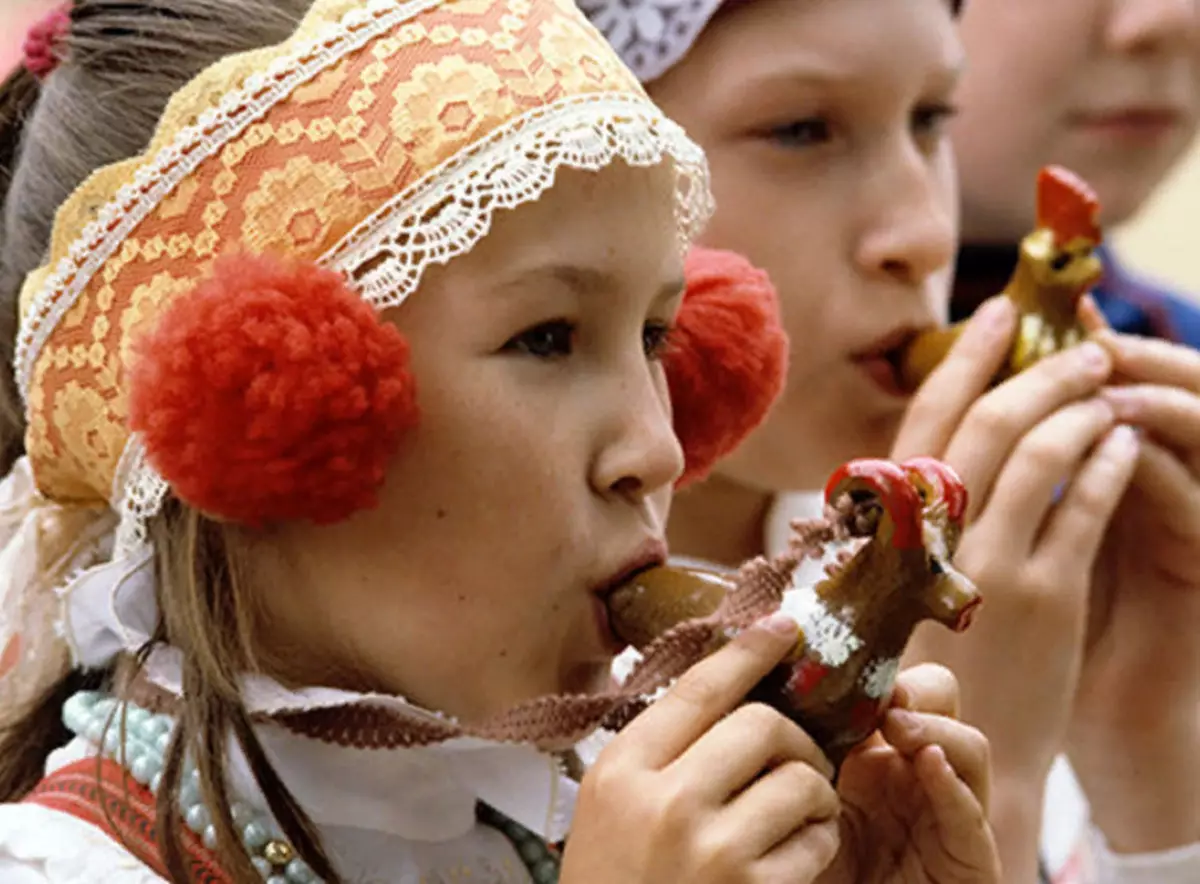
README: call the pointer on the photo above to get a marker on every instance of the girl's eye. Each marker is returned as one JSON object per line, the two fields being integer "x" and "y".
{"x": 550, "y": 340}
{"x": 656, "y": 338}
{"x": 929, "y": 121}
{"x": 808, "y": 132}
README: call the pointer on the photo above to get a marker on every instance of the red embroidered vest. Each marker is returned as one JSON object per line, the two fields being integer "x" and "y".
{"x": 103, "y": 794}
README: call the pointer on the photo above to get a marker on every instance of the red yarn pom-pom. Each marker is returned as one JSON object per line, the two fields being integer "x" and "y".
{"x": 272, "y": 393}
{"x": 729, "y": 358}
{"x": 40, "y": 49}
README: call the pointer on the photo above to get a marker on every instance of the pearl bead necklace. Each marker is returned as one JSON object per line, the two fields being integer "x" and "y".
{"x": 89, "y": 715}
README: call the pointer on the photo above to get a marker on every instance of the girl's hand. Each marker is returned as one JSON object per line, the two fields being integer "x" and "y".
{"x": 702, "y": 789}
{"x": 915, "y": 797}
{"x": 1139, "y": 694}
{"x": 1030, "y": 542}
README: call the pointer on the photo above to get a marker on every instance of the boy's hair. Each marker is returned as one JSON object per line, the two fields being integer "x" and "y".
{"x": 122, "y": 62}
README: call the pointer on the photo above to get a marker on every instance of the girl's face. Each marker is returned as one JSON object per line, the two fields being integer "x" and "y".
{"x": 824, "y": 125}
{"x": 1109, "y": 88}
{"x": 540, "y": 473}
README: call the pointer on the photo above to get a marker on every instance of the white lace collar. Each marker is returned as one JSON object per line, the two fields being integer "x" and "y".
{"x": 422, "y": 793}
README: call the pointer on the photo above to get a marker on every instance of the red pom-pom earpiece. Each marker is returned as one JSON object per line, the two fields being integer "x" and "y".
{"x": 728, "y": 360}
{"x": 272, "y": 393}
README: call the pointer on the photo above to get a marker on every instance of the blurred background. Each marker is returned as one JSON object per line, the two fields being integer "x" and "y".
{"x": 1164, "y": 241}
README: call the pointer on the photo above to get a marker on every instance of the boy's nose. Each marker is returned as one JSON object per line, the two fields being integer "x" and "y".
{"x": 915, "y": 228}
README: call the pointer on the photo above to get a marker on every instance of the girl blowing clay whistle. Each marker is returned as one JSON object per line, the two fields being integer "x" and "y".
{"x": 362, "y": 364}
{"x": 1057, "y": 265}
{"x": 905, "y": 521}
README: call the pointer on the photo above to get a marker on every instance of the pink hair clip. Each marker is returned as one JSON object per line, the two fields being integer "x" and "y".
{"x": 41, "y": 43}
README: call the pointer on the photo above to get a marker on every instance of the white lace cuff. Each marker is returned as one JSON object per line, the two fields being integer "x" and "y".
{"x": 1179, "y": 865}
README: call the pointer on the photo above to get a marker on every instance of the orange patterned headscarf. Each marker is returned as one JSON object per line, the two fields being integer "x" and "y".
{"x": 376, "y": 142}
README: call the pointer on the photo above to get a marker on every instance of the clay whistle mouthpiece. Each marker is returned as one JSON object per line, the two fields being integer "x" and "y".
{"x": 661, "y": 598}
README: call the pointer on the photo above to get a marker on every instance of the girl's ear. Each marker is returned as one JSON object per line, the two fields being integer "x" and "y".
{"x": 728, "y": 360}
{"x": 272, "y": 392}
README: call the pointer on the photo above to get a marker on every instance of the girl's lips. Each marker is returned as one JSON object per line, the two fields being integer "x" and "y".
{"x": 604, "y": 627}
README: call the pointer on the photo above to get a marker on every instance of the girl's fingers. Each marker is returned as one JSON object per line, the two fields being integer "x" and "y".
{"x": 927, "y": 687}
{"x": 961, "y": 818}
{"x": 1170, "y": 414}
{"x": 802, "y": 857}
{"x": 1080, "y": 521}
{"x": 968, "y": 369}
{"x": 996, "y": 423}
{"x": 1153, "y": 361}
{"x": 963, "y": 746}
{"x": 1048, "y": 454}
{"x": 705, "y": 694}
{"x": 776, "y": 807}
{"x": 740, "y": 747}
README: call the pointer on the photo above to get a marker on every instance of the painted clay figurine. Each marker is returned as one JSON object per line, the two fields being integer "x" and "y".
{"x": 1057, "y": 265}
{"x": 854, "y": 624}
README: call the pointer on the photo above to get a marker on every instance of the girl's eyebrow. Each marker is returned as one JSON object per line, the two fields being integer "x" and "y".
{"x": 582, "y": 280}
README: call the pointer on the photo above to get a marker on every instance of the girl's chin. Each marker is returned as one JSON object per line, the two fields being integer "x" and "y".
{"x": 593, "y": 677}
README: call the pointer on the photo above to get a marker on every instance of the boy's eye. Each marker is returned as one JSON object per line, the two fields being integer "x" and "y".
{"x": 929, "y": 121}
{"x": 802, "y": 133}
{"x": 656, "y": 338}
{"x": 550, "y": 340}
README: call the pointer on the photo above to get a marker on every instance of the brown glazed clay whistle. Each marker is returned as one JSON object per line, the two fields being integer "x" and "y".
{"x": 854, "y": 624}
{"x": 1057, "y": 265}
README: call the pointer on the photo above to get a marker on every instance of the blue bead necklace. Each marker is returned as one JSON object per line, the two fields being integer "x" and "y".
{"x": 143, "y": 751}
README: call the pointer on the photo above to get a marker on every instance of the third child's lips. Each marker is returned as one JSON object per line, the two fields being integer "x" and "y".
{"x": 1131, "y": 121}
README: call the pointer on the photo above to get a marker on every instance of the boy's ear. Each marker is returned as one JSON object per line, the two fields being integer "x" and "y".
{"x": 728, "y": 360}
{"x": 272, "y": 392}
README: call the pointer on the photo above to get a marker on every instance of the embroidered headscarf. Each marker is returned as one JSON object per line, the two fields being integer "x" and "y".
{"x": 376, "y": 142}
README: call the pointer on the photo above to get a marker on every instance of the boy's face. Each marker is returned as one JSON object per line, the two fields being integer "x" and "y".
{"x": 1108, "y": 88}
{"x": 823, "y": 122}
{"x": 541, "y": 470}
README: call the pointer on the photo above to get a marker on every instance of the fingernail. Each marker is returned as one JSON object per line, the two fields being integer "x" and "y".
{"x": 994, "y": 314}
{"x": 1125, "y": 439}
{"x": 906, "y": 721}
{"x": 780, "y": 624}
{"x": 1093, "y": 356}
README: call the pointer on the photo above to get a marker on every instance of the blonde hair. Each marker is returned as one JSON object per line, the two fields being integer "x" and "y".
{"x": 121, "y": 63}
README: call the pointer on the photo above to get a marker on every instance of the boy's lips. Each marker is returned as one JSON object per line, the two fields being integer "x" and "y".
{"x": 880, "y": 361}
